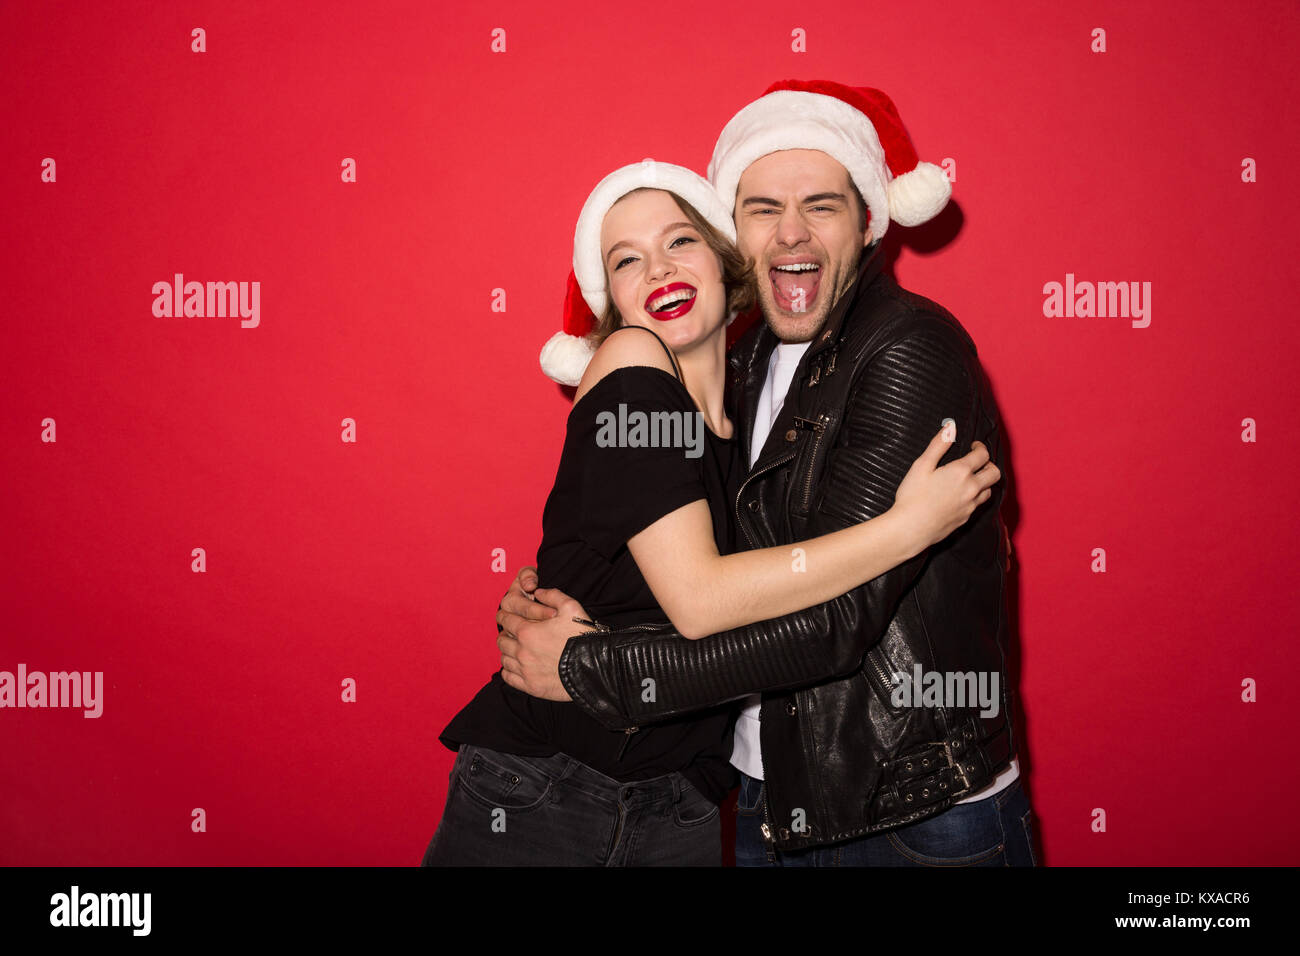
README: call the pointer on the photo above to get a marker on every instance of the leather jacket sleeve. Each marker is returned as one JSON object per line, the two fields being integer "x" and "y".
{"x": 896, "y": 407}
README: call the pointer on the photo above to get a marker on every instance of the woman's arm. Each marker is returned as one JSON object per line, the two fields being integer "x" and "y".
{"x": 703, "y": 592}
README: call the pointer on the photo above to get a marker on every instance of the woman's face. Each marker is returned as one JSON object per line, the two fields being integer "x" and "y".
{"x": 662, "y": 274}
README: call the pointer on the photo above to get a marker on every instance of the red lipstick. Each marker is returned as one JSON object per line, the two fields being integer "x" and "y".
{"x": 677, "y": 308}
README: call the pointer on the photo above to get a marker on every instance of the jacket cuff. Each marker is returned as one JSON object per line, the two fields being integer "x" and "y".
{"x": 582, "y": 664}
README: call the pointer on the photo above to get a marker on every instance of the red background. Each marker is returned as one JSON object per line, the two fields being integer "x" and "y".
{"x": 373, "y": 560}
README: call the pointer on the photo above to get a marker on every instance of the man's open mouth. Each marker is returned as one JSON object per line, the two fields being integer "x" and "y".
{"x": 795, "y": 284}
{"x": 671, "y": 301}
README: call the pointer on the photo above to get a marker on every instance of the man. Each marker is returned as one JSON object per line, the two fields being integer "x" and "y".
{"x": 883, "y": 732}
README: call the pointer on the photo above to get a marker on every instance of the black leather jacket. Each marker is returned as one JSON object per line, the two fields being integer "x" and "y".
{"x": 840, "y": 759}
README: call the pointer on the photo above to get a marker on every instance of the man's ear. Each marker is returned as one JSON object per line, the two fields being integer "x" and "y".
{"x": 867, "y": 239}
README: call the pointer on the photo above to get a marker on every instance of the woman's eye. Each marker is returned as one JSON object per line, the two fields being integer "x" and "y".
{"x": 623, "y": 261}
{"x": 681, "y": 239}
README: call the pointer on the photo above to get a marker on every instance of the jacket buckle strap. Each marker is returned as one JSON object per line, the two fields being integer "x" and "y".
{"x": 926, "y": 776}
{"x": 926, "y": 790}
{"x": 913, "y": 766}
{"x": 967, "y": 751}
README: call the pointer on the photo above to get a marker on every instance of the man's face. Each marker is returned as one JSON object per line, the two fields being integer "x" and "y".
{"x": 799, "y": 218}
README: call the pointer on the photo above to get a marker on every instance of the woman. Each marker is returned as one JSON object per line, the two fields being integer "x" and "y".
{"x": 636, "y": 529}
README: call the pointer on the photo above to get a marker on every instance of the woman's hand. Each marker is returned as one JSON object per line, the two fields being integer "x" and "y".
{"x": 520, "y": 599}
{"x": 933, "y": 502}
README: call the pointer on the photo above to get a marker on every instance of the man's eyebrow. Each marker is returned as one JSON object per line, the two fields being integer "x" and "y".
{"x": 822, "y": 197}
{"x": 815, "y": 197}
{"x": 664, "y": 231}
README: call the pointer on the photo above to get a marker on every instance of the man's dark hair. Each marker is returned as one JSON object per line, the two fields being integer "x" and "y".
{"x": 862, "y": 207}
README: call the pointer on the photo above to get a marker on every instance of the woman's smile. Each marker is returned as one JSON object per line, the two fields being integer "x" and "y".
{"x": 671, "y": 301}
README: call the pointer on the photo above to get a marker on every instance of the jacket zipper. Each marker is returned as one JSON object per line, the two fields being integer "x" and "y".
{"x": 741, "y": 490}
{"x": 765, "y": 828}
{"x": 818, "y": 426}
{"x": 885, "y": 682}
{"x": 769, "y": 837}
{"x": 627, "y": 739}
{"x": 769, "y": 840}
{"x": 627, "y": 627}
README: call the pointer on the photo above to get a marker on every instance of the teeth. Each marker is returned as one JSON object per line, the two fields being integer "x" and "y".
{"x": 799, "y": 267}
{"x": 661, "y": 303}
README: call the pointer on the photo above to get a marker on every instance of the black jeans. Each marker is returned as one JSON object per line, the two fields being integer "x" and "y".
{"x": 507, "y": 810}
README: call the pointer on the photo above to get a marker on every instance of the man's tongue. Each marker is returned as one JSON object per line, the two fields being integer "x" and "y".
{"x": 795, "y": 290}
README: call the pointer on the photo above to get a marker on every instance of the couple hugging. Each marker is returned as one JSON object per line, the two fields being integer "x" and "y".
{"x": 753, "y": 607}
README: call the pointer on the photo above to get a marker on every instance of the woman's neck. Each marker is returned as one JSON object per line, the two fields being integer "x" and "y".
{"x": 704, "y": 369}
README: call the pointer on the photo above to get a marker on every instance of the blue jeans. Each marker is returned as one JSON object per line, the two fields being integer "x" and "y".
{"x": 997, "y": 831}
{"x": 507, "y": 810}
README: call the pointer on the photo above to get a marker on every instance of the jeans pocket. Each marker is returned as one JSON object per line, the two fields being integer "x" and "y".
{"x": 967, "y": 834}
{"x": 693, "y": 808}
{"x": 503, "y": 781}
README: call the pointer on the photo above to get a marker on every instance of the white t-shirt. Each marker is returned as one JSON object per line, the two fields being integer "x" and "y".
{"x": 746, "y": 752}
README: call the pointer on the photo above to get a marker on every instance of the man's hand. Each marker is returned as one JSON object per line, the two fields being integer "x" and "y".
{"x": 531, "y": 644}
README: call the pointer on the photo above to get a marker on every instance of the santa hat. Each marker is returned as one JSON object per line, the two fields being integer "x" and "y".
{"x": 565, "y": 356}
{"x": 857, "y": 126}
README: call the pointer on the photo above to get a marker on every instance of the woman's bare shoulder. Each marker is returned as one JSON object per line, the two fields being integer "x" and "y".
{"x": 629, "y": 346}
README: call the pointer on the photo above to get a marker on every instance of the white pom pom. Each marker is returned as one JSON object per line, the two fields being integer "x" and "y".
{"x": 919, "y": 195}
{"x": 564, "y": 358}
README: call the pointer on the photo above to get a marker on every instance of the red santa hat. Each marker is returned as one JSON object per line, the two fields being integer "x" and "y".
{"x": 565, "y": 355}
{"x": 857, "y": 126}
